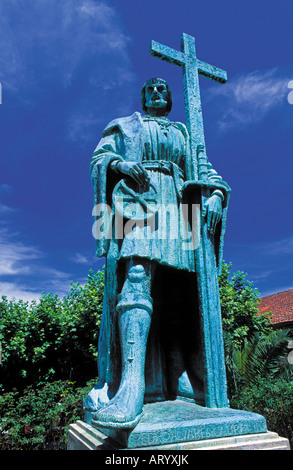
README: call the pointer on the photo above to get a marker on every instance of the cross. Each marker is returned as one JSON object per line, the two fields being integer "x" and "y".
{"x": 215, "y": 387}
{"x": 192, "y": 67}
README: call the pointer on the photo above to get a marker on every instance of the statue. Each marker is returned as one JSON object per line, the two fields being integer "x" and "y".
{"x": 153, "y": 345}
{"x": 160, "y": 211}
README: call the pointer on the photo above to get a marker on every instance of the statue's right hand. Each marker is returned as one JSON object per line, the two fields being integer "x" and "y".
{"x": 134, "y": 170}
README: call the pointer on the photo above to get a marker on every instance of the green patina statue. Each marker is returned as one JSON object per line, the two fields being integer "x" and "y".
{"x": 148, "y": 152}
{"x": 160, "y": 211}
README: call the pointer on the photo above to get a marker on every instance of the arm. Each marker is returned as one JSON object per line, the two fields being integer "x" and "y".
{"x": 213, "y": 207}
{"x": 110, "y": 152}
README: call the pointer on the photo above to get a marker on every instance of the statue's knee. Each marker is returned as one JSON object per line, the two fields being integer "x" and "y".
{"x": 136, "y": 292}
{"x": 135, "y": 302}
{"x": 136, "y": 273}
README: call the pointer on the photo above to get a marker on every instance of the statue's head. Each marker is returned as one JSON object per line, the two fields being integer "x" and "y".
{"x": 156, "y": 94}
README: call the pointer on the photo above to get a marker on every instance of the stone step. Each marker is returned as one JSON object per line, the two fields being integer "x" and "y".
{"x": 261, "y": 441}
{"x": 82, "y": 436}
{"x": 267, "y": 441}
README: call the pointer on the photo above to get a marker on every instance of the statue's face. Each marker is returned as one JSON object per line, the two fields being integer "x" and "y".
{"x": 156, "y": 95}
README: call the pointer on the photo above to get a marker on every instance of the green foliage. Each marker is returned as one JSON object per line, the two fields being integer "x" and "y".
{"x": 49, "y": 349}
{"x": 271, "y": 398}
{"x": 239, "y": 305}
{"x": 264, "y": 356}
{"x": 259, "y": 376}
{"x": 261, "y": 357}
{"x": 38, "y": 418}
{"x": 51, "y": 339}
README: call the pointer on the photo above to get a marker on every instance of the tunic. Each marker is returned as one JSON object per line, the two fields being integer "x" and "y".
{"x": 166, "y": 237}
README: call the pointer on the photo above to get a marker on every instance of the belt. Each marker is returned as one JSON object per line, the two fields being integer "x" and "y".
{"x": 169, "y": 168}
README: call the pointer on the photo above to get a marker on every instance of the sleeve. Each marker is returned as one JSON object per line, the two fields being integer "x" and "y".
{"x": 108, "y": 150}
{"x": 214, "y": 177}
{"x": 104, "y": 180}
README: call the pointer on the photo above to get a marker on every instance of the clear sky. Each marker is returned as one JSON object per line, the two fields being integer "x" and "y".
{"x": 69, "y": 67}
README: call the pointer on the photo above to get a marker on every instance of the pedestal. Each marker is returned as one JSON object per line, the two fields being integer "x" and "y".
{"x": 180, "y": 425}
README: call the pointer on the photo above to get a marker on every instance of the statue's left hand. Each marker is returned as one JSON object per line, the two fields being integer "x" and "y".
{"x": 135, "y": 170}
{"x": 213, "y": 210}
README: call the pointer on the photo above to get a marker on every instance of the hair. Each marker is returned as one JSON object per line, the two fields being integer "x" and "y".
{"x": 169, "y": 93}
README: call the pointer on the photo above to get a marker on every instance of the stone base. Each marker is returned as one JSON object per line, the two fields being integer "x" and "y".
{"x": 83, "y": 436}
{"x": 180, "y": 425}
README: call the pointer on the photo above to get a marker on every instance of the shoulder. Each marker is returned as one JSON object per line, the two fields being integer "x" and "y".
{"x": 182, "y": 127}
{"x": 132, "y": 122}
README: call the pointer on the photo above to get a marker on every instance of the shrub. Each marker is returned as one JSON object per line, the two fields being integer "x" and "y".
{"x": 39, "y": 418}
{"x": 53, "y": 339}
{"x": 239, "y": 306}
{"x": 272, "y": 399}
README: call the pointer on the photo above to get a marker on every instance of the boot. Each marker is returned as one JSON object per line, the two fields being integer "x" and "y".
{"x": 125, "y": 409}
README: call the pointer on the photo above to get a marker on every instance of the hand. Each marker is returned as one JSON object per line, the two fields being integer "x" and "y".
{"x": 134, "y": 170}
{"x": 213, "y": 210}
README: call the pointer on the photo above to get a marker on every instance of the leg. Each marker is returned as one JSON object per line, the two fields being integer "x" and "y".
{"x": 134, "y": 319}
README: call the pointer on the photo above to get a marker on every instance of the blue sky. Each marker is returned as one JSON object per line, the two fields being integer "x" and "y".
{"x": 68, "y": 68}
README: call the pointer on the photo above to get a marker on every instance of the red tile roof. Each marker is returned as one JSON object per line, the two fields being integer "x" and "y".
{"x": 281, "y": 305}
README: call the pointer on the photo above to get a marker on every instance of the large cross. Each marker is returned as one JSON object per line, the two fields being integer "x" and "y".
{"x": 215, "y": 378}
{"x": 192, "y": 67}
